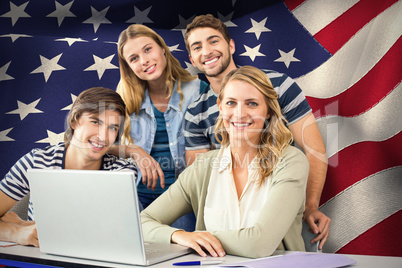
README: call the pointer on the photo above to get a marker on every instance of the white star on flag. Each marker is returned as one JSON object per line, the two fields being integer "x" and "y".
{"x": 140, "y": 17}
{"x": 3, "y": 135}
{"x": 174, "y": 48}
{"x": 191, "y": 69}
{"x": 71, "y": 41}
{"x": 101, "y": 65}
{"x": 227, "y": 20}
{"x": 52, "y": 138}
{"x": 109, "y": 42}
{"x": 258, "y": 27}
{"x": 183, "y": 24}
{"x": 15, "y": 36}
{"x": 25, "y": 109}
{"x": 3, "y": 70}
{"x": 73, "y": 98}
{"x": 62, "y": 12}
{"x": 48, "y": 66}
{"x": 287, "y": 58}
{"x": 98, "y": 18}
{"x": 252, "y": 52}
{"x": 16, "y": 12}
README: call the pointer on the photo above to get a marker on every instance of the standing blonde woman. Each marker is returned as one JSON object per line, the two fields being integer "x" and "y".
{"x": 251, "y": 191}
{"x": 157, "y": 91}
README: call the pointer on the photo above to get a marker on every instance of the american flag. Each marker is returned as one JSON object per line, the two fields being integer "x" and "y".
{"x": 345, "y": 55}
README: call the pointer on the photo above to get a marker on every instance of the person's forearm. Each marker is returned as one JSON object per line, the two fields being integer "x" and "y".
{"x": 308, "y": 137}
{"x": 7, "y": 231}
{"x": 315, "y": 182}
{"x": 119, "y": 150}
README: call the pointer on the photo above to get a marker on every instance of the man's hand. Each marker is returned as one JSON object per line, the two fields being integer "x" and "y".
{"x": 319, "y": 225}
{"x": 150, "y": 169}
{"x": 199, "y": 241}
{"x": 14, "y": 229}
{"x": 27, "y": 235}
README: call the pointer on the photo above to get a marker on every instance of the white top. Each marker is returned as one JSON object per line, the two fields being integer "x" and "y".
{"x": 223, "y": 209}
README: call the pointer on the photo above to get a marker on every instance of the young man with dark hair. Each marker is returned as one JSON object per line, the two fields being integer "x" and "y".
{"x": 94, "y": 123}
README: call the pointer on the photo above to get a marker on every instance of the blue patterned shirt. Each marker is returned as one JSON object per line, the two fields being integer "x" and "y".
{"x": 15, "y": 183}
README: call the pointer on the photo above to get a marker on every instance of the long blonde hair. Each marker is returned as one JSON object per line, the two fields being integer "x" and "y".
{"x": 275, "y": 136}
{"x": 132, "y": 88}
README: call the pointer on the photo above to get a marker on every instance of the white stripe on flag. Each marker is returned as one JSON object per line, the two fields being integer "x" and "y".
{"x": 356, "y": 57}
{"x": 363, "y": 205}
{"x": 373, "y": 125}
{"x": 316, "y": 14}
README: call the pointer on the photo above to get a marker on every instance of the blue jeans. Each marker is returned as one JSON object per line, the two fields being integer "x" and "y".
{"x": 185, "y": 222}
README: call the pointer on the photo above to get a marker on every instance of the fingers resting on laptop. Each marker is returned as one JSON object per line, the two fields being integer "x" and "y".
{"x": 201, "y": 242}
{"x": 28, "y": 235}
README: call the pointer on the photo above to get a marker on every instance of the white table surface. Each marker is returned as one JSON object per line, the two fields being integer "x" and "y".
{"x": 31, "y": 252}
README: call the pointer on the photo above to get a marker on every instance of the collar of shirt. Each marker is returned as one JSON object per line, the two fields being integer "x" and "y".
{"x": 173, "y": 102}
{"x": 212, "y": 92}
{"x": 226, "y": 163}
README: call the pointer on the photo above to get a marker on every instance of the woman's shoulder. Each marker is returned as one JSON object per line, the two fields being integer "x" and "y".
{"x": 291, "y": 150}
{"x": 293, "y": 165}
{"x": 191, "y": 90}
{"x": 199, "y": 172}
{"x": 206, "y": 161}
{"x": 292, "y": 154}
{"x": 210, "y": 155}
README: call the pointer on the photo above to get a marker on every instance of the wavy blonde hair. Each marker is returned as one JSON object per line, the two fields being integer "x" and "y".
{"x": 132, "y": 88}
{"x": 275, "y": 136}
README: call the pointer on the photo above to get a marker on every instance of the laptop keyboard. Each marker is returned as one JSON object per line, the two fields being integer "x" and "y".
{"x": 149, "y": 249}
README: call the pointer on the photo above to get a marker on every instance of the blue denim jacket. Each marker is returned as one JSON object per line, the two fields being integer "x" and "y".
{"x": 143, "y": 126}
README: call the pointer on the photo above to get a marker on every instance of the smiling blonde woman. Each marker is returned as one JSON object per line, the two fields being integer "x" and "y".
{"x": 251, "y": 191}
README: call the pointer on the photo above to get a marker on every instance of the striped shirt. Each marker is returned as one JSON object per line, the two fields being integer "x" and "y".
{"x": 15, "y": 183}
{"x": 199, "y": 121}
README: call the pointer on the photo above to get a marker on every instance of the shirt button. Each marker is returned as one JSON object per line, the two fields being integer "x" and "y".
{"x": 171, "y": 143}
{"x": 167, "y": 125}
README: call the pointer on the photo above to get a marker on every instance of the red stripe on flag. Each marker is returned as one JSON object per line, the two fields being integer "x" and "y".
{"x": 383, "y": 239}
{"x": 292, "y": 4}
{"x": 359, "y": 161}
{"x": 338, "y": 32}
{"x": 370, "y": 90}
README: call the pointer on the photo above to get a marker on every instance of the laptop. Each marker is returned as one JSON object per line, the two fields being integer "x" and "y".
{"x": 93, "y": 215}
